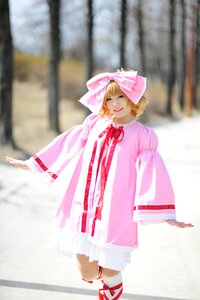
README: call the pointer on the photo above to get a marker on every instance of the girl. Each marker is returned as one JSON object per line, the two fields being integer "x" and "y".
{"x": 114, "y": 178}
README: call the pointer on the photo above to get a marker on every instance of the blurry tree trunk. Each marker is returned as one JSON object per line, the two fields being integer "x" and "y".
{"x": 54, "y": 59}
{"x": 172, "y": 56}
{"x": 123, "y": 34}
{"x": 90, "y": 54}
{"x": 140, "y": 18}
{"x": 190, "y": 65}
{"x": 197, "y": 55}
{"x": 90, "y": 43}
{"x": 6, "y": 75}
{"x": 183, "y": 55}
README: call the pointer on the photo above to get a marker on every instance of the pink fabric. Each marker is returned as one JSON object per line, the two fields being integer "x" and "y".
{"x": 137, "y": 177}
{"x": 154, "y": 193}
{"x": 130, "y": 83}
{"x": 64, "y": 148}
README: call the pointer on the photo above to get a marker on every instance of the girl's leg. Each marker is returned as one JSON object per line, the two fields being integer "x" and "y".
{"x": 112, "y": 288}
{"x": 89, "y": 270}
{"x": 109, "y": 272}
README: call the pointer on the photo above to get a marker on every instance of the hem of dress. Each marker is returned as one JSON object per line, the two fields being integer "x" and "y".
{"x": 108, "y": 256}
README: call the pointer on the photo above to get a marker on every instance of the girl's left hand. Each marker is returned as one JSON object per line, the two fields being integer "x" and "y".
{"x": 17, "y": 163}
{"x": 179, "y": 224}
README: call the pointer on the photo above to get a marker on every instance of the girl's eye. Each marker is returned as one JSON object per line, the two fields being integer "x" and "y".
{"x": 121, "y": 96}
{"x": 108, "y": 99}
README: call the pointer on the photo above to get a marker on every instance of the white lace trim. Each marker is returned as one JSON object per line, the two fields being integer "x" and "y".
{"x": 146, "y": 219}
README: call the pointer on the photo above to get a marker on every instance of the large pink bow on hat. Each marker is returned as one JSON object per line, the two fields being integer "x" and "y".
{"x": 125, "y": 80}
{"x": 130, "y": 83}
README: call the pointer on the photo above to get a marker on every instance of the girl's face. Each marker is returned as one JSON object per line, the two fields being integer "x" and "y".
{"x": 119, "y": 108}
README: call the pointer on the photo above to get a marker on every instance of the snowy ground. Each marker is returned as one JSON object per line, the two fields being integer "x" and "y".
{"x": 167, "y": 265}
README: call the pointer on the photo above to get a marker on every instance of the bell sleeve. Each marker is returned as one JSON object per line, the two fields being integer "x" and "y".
{"x": 50, "y": 162}
{"x": 154, "y": 200}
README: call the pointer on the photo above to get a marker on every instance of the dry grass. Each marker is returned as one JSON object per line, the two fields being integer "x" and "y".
{"x": 32, "y": 68}
{"x": 30, "y": 114}
{"x": 30, "y": 104}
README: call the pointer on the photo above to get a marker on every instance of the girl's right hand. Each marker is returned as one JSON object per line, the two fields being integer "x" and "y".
{"x": 179, "y": 224}
{"x": 17, "y": 163}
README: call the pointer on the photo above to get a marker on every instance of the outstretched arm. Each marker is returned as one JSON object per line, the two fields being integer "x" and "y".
{"x": 179, "y": 224}
{"x": 17, "y": 163}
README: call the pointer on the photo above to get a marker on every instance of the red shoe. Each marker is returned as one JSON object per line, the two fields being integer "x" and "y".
{"x": 108, "y": 293}
{"x": 100, "y": 294}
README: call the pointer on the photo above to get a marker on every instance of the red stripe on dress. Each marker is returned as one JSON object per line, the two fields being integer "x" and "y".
{"x": 88, "y": 181}
{"x": 115, "y": 133}
{"x": 103, "y": 184}
{"x": 154, "y": 207}
{"x": 87, "y": 188}
{"x": 44, "y": 168}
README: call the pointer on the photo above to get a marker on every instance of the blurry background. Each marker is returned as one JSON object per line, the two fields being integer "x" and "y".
{"x": 48, "y": 50}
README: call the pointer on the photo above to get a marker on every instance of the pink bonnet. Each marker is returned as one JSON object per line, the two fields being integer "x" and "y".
{"x": 130, "y": 83}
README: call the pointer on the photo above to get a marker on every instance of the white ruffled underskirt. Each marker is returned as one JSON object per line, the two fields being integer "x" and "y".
{"x": 108, "y": 256}
{"x": 111, "y": 257}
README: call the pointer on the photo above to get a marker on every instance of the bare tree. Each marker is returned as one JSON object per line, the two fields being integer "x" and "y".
{"x": 123, "y": 33}
{"x": 196, "y": 54}
{"x": 172, "y": 55}
{"x": 90, "y": 25}
{"x": 183, "y": 55}
{"x": 6, "y": 74}
{"x": 189, "y": 103}
{"x": 140, "y": 18}
{"x": 54, "y": 59}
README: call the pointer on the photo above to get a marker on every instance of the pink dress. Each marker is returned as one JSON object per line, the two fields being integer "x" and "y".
{"x": 114, "y": 178}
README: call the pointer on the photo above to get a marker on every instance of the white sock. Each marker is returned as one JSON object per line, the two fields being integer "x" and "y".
{"x": 111, "y": 282}
{"x": 114, "y": 280}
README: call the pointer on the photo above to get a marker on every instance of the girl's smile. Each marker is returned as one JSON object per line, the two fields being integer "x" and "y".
{"x": 119, "y": 108}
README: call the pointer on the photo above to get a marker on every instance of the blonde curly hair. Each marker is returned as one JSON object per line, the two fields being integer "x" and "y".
{"x": 113, "y": 89}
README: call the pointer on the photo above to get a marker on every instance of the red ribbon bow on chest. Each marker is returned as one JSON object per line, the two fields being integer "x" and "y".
{"x": 113, "y": 132}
